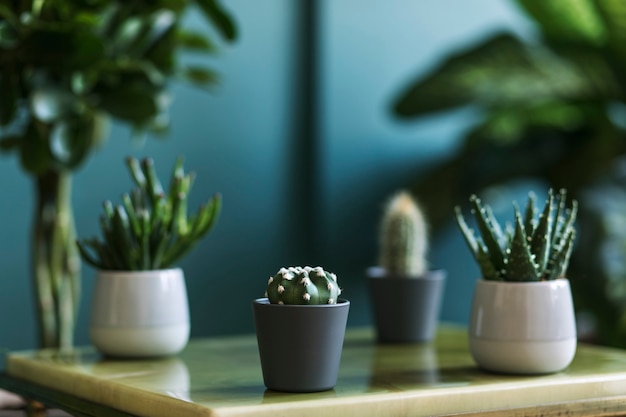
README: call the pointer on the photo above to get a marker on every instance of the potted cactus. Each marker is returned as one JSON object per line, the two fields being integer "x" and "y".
{"x": 522, "y": 318}
{"x": 406, "y": 295}
{"x": 140, "y": 306}
{"x": 301, "y": 314}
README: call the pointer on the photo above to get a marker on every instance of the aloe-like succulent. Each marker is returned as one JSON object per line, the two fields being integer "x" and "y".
{"x": 403, "y": 237}
{"x": 150, "y": 229}
{"x": 533, "y": 249}
{"x": 306, "y": 286}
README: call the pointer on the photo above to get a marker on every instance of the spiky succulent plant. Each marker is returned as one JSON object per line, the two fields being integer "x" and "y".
{"x": 151, "y": 228}
{"x": 403, "y": 237}
{"x": 297, "y": 285}
{"x": 534, "y": 249}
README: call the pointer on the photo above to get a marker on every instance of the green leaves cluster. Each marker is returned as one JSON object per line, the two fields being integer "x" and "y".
{"x": 548, "y": 103}
{"x": 67, "y": 66}
{"x": 534, "y": 249}
{"x": 151, "y": 228}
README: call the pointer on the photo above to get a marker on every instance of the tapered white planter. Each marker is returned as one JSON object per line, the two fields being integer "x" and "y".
{"x": 140, "y": 313}
{"x": 522, "y": 327}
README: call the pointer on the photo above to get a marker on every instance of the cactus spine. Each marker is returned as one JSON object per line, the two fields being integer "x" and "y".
{"x": 534, "y": 249}
{"x": 403, "y": 237}
{"x": 306, "y": 286}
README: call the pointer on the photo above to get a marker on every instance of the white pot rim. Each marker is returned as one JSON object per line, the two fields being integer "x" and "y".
{"x": 483, "y": 281}
{"x": 138, "y": 272}
{"x": 521, "y": 339}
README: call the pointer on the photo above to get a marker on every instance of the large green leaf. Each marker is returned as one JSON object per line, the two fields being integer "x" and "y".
{"x": 51, "y": 103}
{"x": 71, "y": 139}
{"x": 506, "y": 126}
{"x": 9, "y": 16}
{"x": 504, "y": 72}
{"x": 200, "y": 76}
{"x": 219, "y": 17}
{"x": 112, "y": 18}
{"x": 569, "y": 21}
{"x": 137, "y": 35}
{"x": 613, "y": 13}
{"x": 9, "y": 96}
{"x": 134, "y": 104}
{"x": 9, "y": 36}
{"x": 590, "y": 76}
{"x": 35, "y": 154}
{"x": 161, "y": 54}
{"x": 61, "y": 48}
{"x": 161, "y": 23}
{"x": 127, "y": 33}
{"x": 195, "y": 41}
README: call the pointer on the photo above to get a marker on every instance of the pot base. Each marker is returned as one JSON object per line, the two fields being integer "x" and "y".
{"x": 137, "y": 342}
{"x": 523, "y": 357}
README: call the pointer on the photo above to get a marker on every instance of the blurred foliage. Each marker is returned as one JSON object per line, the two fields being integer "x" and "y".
{"x": 66, "y": 66}
{"x": 552, "y": 107}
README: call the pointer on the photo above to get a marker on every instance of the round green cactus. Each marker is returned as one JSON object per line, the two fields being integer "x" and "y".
{"x": 306, "y": 286}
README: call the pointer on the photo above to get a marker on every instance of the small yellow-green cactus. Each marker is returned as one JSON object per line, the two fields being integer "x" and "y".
{"x": 297, "y": 285}
{"x": 403, "y": 237}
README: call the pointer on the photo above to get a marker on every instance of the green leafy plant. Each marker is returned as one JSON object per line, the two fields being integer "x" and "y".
{"x": 547, "y": 105}
{"x": 151, "y": 228}
{"x": 66, "y": 68}
{"x": 403, "y": 237}
{"x": 534, "y": 249}
{"x": 305, "y": 286}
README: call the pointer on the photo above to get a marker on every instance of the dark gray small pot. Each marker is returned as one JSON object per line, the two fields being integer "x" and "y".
{"x": 300, "y": 346}
{"x": 406, "y": 309}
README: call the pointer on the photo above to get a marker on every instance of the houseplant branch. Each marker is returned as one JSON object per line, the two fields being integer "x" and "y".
{"x": 67, "y": 67}
{"x": 56, "y": 264}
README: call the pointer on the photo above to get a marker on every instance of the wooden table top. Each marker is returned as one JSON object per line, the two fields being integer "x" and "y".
{"x": 222, "y": 377}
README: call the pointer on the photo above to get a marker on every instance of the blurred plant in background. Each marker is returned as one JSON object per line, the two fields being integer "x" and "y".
{"x": 554, "y": 108}
{"x": 66, "y": 67}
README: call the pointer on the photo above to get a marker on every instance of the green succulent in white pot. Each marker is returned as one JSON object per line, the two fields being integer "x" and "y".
{"x": 406, "y": 295}
{"x": 67, "y": 68}
{"x": 142, "y": 239}
{"x": 522, "y": 317}
{"x": 535, "y": 249}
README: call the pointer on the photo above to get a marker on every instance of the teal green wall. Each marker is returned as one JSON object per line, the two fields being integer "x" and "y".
{"x": 246, "y": 141}
{"x": 370, "y": 49}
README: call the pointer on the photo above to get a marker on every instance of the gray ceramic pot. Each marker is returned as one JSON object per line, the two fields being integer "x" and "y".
{"x": 405, "y": 309}
{"x": 300, "y": 346}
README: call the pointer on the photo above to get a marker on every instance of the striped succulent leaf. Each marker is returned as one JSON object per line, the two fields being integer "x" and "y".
{"x": 533, "y": 249}
{"x": 151, "y": 228}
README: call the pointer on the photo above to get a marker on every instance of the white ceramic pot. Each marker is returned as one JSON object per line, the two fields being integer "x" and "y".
{"x": 140, "y": 313}
{"x": 522, "y": 328}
